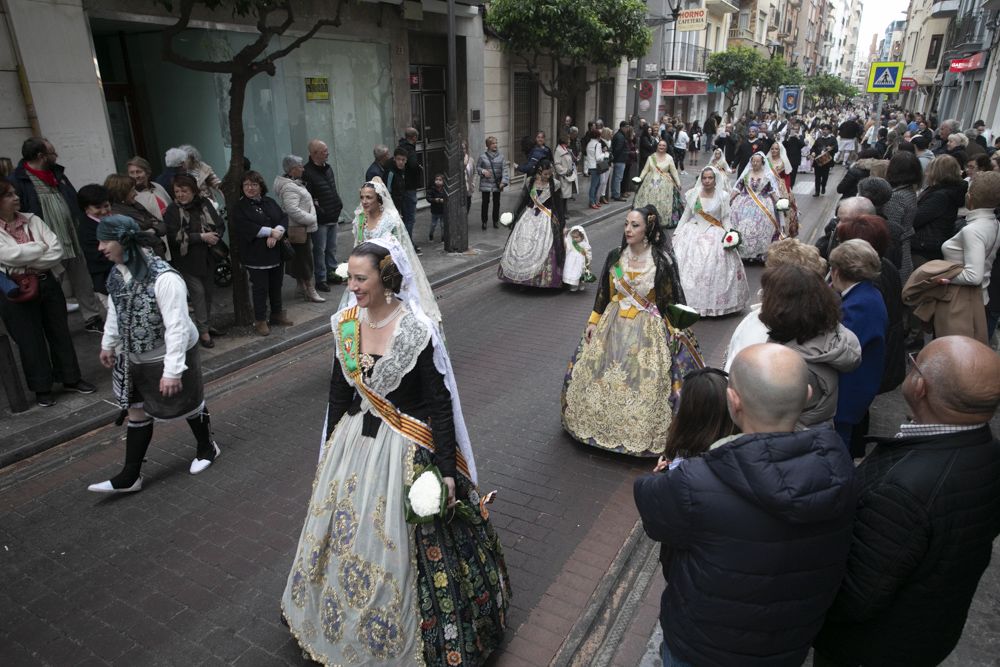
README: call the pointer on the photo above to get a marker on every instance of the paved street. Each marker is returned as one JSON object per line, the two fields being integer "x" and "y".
{"x": 190, "y": 570}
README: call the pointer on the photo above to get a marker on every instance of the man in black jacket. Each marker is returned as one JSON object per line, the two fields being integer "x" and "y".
{"x": 927, "y": 516}
{"x": 794, "y": 143}
{"x": 619, "y": 157}
{"x": 758, "y": 527}
{"x": 318, "y": 179}
{"x": 380, "y": 165}
{"x": 414, "y": 181}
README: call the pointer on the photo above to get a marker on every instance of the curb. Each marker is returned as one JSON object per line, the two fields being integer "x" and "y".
{"x": 81, "y": 422}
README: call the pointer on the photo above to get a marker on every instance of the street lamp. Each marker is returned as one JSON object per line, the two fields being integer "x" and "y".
{"x": 773, "y": 46}
{"x": 652, "y": 22}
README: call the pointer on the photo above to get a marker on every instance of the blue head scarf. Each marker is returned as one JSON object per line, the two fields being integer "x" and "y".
{"x": 125, "y": 231}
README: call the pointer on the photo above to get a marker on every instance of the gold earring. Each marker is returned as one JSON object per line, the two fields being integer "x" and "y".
{"x": 388, "y": 296}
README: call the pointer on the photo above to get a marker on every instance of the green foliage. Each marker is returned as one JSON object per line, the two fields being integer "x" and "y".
{"x": 829, "y": 88}
{"x": 737, "y": 68}
{"x": 571, "y": 33}
{"x": 773, "y": 73}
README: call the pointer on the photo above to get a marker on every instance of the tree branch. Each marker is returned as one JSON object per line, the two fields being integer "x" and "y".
{"x": 335, "y": 22}
{"x": 171, "y": 55}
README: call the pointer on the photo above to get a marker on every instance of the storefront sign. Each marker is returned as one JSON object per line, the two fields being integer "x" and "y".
{"x": 974, "y": 62}
{"x": 692, "y": 20}
{"x": 676, "y": 87}
{"x": 317, "y": 88}
{"x": 907, "y": 84}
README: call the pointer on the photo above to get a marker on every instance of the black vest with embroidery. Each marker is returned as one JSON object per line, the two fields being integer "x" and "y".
{"x": 140, "y": 323}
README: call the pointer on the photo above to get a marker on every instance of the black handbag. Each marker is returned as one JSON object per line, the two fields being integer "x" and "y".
{"x": 219, "y": 251}
{"x": 287, "y": 251}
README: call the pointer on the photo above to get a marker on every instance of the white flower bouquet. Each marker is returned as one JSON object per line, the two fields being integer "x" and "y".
{"x": 636, "y": 179}
{"x": 341, "y": 271}
{"x": 732, "y": 240}
{"x": 427, "y": 499}
{"x": 782, "y": 204}
{"x": 506, "y": 219}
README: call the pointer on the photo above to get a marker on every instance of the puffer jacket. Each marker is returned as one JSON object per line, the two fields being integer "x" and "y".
{"x": 934, "y": 222}
{"x": 322, "y": 186}
{"x": 826, "y": 356}
{"x": 848, "y": 186}
{"x": 296, "y": 202}
{"x": 490, "y": 163}
{"x": 759, "y": 530}
{"x": 927, "y": 515}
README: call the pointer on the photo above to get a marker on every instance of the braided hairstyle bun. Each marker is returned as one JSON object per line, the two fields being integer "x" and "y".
{"x": 380, "y": 258}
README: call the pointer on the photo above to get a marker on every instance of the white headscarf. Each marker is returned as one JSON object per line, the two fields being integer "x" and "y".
{"x": 391, "y": 224}
{"x": 786, "y": 165}
{"x": 410, "y": 294}
{"x": 768, "y": 173}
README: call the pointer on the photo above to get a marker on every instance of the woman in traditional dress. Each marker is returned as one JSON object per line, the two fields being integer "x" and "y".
{"x": 367, "y": 587}
{"x": 534, "y": 253}
{"x": 712, "y": 275}
{"x": 658, "y": 189}
{"x": 753, "y": 212}
{"x": 724, "y": 170}
{"x": 781, "y": 167}
{"x": 376, "y": 217}
{"x": 624, "y": 381}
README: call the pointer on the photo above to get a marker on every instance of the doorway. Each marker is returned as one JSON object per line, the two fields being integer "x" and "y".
{"x": 428, "y": 111}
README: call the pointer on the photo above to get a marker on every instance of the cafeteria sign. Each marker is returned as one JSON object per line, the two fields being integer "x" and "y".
{"x": 317, "y": 88}
{"x": 692, "y": 20}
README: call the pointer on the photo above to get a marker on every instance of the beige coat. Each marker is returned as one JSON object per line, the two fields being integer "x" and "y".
{"x": 953, "y": 310}
{"x": 565, "y": 168}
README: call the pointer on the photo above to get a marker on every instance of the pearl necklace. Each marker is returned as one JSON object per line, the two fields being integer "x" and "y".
{"x": 389, "y": 318}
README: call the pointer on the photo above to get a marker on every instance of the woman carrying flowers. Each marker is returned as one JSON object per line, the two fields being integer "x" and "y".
{"x": 534, "y": 253}
{"x": 753, "y": 213}
{"x": 777, "y": 162}
{"x": 660, "y": 186}
{"x": 397, "y": 563}
{"x": 624, "y": 380}
{"x": 711, "y": 273}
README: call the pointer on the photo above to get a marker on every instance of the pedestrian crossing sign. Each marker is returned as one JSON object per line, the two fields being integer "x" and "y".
{"x": 885, "y": 77}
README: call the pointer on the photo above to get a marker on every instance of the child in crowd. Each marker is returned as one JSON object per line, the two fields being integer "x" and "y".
{"x": 437, "y": 197}
{"x": 578, "y": 257}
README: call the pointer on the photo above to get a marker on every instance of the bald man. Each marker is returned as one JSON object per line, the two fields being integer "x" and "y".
{"x": 758, "y": 527}
{"x": 926, "y": 519}
{"x": 317, "y": 176}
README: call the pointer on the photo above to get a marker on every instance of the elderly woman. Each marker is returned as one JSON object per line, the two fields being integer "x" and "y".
{"x": 493, "y": 178}
{"x": 208, "y": 182}
{"x": 801, "y": 312}
{"x": 854, "y": 264}
{"x": 565, "y": 176}
{"x": 754, "y": 214}
{"x": 298, "y": 205}
{"x": 173, "y": 164}
{"x": 194, "y": 236}
{"x": 148, "y": 193}
{"x": 937, "y": 208}
{"x": 260, "y": 225}
{"x": 28, "y": 251}
{"x": 125, "y": 201}
{"x": 905, "y": 175}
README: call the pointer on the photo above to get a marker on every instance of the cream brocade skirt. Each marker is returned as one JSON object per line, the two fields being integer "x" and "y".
{"x": 351, "y": 595}
{"x": 619, "y": 387}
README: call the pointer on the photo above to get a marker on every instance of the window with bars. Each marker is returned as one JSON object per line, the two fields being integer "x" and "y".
{"x": 934, "y": 52}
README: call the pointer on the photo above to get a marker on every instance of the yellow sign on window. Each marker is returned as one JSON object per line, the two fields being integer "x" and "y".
{"x": 317, "y": 88}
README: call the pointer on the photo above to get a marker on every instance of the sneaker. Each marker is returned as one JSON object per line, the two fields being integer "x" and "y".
{"x": 45, "y": 399}
{"x": 417, "y": 250}
{"x": 81, "y": 387}
{"x": 322, "y": 286}
{"x": 94, "y": 325}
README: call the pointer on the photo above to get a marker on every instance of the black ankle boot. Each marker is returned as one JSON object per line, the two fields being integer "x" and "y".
{"x": 137, "y": 439}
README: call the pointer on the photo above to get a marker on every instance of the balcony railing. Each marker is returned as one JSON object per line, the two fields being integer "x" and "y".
{"x": 941, "y": 9}
{"x": 745, "y": 34}
{"x": 723, "y": 6}
{"x": 682, "y": 57}
{"x": 970, "y": 32}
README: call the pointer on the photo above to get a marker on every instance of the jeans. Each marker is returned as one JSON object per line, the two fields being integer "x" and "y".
{"x": 42, "y": 335}
{"x": 595, "y": 184}
{"x": 409, "y": 211}
{"x": 324, "y": 247}
{"x": 486, "y": 207}
{"x": 266, "y": 284}
{"x": 616, "y": 179}
{"x": 669, "y": 660}
{"x": 436, "y": 220}
{"x": 708, "y": 143}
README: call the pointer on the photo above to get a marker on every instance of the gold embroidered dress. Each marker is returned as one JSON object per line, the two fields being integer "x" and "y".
{"x": 622, "y": 386}
{"x": 366, "y": 587}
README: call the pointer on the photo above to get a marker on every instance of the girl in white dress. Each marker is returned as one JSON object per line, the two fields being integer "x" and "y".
{"x": 578, "y": 258}
{"x": 712, "y": 275}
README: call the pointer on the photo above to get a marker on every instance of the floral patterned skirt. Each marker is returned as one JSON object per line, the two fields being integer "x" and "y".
{"x": 712, "y": 277}
{"x": 366, "y": 588}
{"x": 529, "y": 256}
{"x": 757, "y": 229}
{"x": 621, "y": 388}
{"x": 660, "y": 192}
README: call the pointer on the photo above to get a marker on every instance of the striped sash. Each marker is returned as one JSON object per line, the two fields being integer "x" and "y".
{"x": 760, "y": 205}
{"x": 409, "y": 427}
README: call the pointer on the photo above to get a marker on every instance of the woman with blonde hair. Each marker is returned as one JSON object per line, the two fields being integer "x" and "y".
{"x": 937, "y": 208}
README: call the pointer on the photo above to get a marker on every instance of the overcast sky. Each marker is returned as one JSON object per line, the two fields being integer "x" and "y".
{"x": 876, "y": 16}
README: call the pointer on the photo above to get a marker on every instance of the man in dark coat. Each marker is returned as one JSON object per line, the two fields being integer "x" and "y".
{"x": 317, "y": 176}
{"x": 758, "y": 527}
{"x": 794, "y": 143}
{"x": 414, "y": 181}
{"x": 927, "y": 516}
{"x": 619, "y": 157}
{"x": 380, "y": 165}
